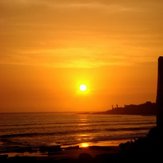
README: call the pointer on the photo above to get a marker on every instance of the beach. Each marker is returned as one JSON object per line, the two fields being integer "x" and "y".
{"x": 70, "y": 154}
{"x": 85, "y": 137}
{"x": 146, "y": 149}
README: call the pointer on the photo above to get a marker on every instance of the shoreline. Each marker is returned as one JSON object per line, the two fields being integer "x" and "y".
{"x": 17, "y": 150}
{"x": 69, "y": 154}
{"x": 141, "y": 149}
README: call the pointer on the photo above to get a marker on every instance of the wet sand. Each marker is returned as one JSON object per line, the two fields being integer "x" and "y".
{"x": 128, "y": 152}
{"x": 146, "y": 149}
{"x": 70, "y": 154}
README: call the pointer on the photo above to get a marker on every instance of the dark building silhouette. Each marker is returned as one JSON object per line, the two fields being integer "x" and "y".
{"x": 159, "y": 99}
{"x": 147, "y": 108}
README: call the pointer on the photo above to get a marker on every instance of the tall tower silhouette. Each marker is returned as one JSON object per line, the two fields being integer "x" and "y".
{"x": 159, "y": 99}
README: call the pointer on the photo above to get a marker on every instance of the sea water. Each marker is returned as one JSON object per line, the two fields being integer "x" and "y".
{"x": 66, "y": 129}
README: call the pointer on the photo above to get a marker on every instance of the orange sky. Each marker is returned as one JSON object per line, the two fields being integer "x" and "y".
{"x": 49, "y": 47}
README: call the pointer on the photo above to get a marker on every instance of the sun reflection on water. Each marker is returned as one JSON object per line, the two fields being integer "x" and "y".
{"x": 84, "y": 145}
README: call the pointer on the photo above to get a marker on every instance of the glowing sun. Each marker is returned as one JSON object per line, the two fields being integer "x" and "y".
{"x": 83, "y": 87}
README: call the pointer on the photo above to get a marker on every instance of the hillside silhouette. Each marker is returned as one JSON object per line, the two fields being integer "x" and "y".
{"x": 147, "y": 108}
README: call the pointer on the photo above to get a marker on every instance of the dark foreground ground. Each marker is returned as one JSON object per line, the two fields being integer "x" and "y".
{"x": 147, "y": 149}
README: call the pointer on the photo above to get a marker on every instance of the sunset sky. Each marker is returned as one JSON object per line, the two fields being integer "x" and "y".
{"x": 49, "y": 47}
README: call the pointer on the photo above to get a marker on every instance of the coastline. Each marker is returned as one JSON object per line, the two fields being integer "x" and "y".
{"x": 17, "y": 150}
{"x": 69, "y": 154}
{"x": 143, "y": 149}
{"x": 91, "y": 151}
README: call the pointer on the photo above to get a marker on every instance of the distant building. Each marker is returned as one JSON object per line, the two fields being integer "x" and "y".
{"x": 147, "y": 108}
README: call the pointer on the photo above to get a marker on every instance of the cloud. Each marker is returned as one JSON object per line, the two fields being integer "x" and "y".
{"x": 106, "y": 4}
{"x": 124, "y": 27}
{"x": 69, "y": 57}
{"x": 98, "y": 5}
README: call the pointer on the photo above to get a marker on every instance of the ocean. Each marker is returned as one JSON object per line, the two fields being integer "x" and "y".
{"x": 67, "y": 129}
